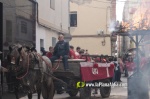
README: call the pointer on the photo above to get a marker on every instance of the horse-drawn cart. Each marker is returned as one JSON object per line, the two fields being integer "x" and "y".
{"x": 83, "y": 76}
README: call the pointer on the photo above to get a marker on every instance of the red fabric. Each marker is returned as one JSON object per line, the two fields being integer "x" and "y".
{"x": 95, "y": 65}
{"x": 49, "y": 54}
{"x": 77, "y": 55}
{"x": 97, "y": 59}
{"x": 84, "y": 57}
{"x": 130, "y": 66}
{"x": 121, "y": 68}
{"x": 72, "y": 54}
{"x": 88, "y": 75}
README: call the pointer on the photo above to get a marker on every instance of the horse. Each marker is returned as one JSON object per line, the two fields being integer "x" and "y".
{"x": 33, "y": 71}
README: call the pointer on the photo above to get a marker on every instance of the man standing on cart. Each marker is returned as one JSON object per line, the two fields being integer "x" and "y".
{"x": 61, "y": 51}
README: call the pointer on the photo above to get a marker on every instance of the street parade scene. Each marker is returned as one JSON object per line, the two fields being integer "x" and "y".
{"x": 74, "y": 49}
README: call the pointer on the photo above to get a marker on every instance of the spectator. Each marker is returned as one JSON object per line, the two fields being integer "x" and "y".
{"x": 50, "y": 53}
{"x": 43, "y": 52}
{"x": 72, "y": 53}
{"x": 86, "y": 52}
{"x": 82, "y": 53}
{"x": 61, "y": 51}
{"x": 118, "y": 70}
{"x": 97, "y": 59}
{"x": 77, "y": 52}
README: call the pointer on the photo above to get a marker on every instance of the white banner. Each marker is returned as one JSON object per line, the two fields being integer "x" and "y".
{"x": 90, "y": 64}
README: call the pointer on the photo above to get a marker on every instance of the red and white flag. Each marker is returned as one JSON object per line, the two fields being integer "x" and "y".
{"x": 96, "y": 71}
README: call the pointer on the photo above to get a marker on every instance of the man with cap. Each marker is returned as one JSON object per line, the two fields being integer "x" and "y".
{"x": 61, "y": 51}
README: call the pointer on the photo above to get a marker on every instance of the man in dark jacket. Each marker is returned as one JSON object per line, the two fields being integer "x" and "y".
{"x": 61, "y": 51}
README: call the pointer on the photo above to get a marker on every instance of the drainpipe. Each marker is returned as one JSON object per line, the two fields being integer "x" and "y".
{"x": 69, "y": 16}
{"x": 107, "y": 28}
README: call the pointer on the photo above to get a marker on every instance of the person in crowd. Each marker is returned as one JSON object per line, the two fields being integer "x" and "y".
{"x": 86, "y": 52}
{"x": 97, "y": 59}
{"x": 118, "y": 70}
{"x": 61, "y": 51}
{"x": 77, "y": 52}
{"x": 50, "y": 53}
{"x": 115, "y": 63}
{"x": 72, "y": 54}
{"x": 82, "y": 53}
{"x": 43, "y": 52}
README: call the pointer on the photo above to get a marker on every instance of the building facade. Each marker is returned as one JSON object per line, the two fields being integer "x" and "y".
{"x": 89, "y": 26}
{"x": 34, "y": 22}
{"x": 52, "y": 19}
{"x": 18, "y": 23}
{"x": 112, "y": 26}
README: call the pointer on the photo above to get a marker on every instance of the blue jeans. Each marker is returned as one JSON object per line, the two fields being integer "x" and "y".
{"x": 64, "y": 60}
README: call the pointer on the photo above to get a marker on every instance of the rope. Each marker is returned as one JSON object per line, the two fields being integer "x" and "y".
{"x": 45, "y": 61}
{"x": 56, "y": 78}
{"x": 55, "y": 67}
{"x": 26, "y": 72}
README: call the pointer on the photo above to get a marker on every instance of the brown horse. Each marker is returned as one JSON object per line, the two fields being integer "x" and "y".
{"x": 32, "y": 71}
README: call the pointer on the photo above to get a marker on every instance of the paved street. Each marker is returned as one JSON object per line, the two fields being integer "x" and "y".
{"x": 117, "y": 93}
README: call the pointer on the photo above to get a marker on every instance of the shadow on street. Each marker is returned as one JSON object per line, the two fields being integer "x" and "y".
{"x": 12, "y": 95}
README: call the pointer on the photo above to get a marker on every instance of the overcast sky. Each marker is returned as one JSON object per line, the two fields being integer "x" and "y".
{"x": 119, "y": 9}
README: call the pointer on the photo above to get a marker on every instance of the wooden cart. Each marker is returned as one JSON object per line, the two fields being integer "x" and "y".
{"x": 75, "y": 75}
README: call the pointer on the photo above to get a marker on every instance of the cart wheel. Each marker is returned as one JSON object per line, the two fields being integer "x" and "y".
{"x": 73, "y": 91}
{"x": 105, "y": 91}
{"x": 85, "y": 93}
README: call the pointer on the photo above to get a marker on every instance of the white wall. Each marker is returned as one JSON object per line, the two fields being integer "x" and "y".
{"x": 54, "y": 18}
{"x": 90, "y": 19}
{"x": 46, "y": 35}
{"x": 40, "y": 34}
{"x": 57, "y": 19}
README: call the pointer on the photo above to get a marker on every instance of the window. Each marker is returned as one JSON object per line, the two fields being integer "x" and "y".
{"x": 53, "y": 41}
{"x": 52, "y": 4}
{"x": 8, "y": 30}
{"x": 73, "y": 19}
{"x": 23, "y": 27}
{"x": 41, "y": 43}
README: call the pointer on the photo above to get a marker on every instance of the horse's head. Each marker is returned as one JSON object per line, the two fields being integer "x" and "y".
{"x": 18, "y": 55}
{"x": 14, "y": 54}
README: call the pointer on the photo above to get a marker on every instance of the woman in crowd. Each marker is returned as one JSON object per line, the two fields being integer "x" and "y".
{"x": 50, "y": 53}
{"x": 82, "y": 53}
{"x": 72, "y": 54}
{"x": 77, "y": 52}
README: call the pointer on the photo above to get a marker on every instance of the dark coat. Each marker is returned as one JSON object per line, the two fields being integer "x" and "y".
{"x": 61, "y": 48}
